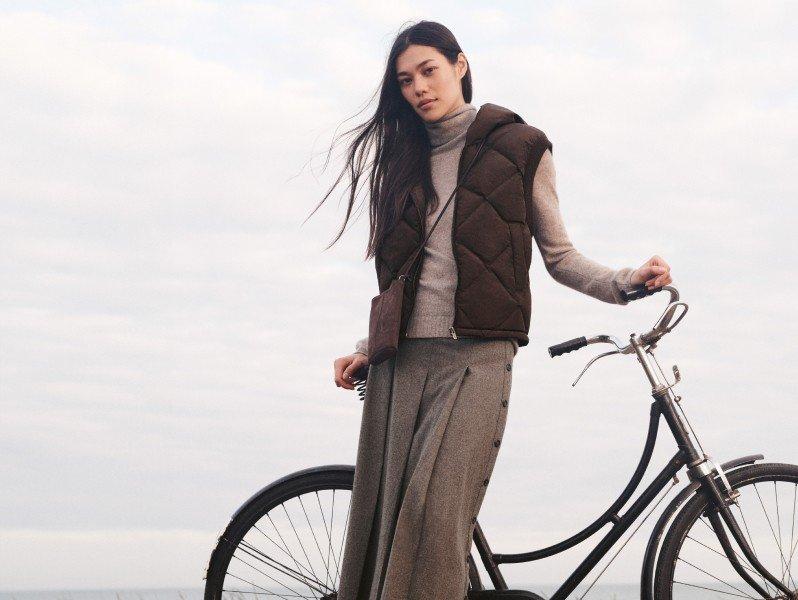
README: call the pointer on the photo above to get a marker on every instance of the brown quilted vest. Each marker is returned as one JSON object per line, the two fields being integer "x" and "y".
{"x": 491, "y": 230}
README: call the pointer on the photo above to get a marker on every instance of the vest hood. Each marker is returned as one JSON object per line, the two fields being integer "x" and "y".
{"x": 489, "y": 117}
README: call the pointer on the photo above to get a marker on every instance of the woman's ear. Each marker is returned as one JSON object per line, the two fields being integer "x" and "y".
{"x": 462, "y": 65}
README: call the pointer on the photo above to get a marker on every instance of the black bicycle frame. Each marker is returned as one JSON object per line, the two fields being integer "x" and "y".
{"x": 687, "y": 455}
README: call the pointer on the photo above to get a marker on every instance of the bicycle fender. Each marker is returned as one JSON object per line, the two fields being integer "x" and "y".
{"x": 294, "y": 475}
{"x": 652, "y": 548}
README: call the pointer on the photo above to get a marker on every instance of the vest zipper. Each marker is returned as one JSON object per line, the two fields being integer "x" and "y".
{"x": 452, "y": 330}
{"x": 456, "y": 266}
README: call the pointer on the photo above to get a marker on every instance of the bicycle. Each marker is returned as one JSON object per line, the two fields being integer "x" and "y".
{"x": 255, "y": 557}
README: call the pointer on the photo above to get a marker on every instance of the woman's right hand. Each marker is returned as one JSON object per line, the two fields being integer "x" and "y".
{"x": 346, "y": 366}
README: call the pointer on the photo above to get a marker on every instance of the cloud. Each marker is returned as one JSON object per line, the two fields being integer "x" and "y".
{"x": 168, "y": 324}
{"x": 124, "y": 556}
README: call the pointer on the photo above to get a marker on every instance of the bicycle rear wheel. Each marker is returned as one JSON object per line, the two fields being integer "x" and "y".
{"x": 287, "y": 541}
{"x": 692, "y": 561}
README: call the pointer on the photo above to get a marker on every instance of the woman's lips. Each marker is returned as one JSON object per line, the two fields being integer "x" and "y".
{"x": 426, "y": 105}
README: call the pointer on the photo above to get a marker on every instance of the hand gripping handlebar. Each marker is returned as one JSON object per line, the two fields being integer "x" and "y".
{"x": 638, "y": 292}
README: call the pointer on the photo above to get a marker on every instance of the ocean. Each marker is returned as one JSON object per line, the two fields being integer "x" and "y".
{"x": 598, "y": 592}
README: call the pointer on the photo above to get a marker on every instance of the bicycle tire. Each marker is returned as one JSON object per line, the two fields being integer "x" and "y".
{"x": 742, "y": 479}
{"x": 253, "y": 512}
{"x": 295, "y": 485}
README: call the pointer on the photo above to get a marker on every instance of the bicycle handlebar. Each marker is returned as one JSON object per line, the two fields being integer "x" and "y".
{"x": 569, "y": 346}
{"x": 580, "y": 342}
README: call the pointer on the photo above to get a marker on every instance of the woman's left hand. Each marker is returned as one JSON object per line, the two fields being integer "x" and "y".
{"x": 655, "y": 273}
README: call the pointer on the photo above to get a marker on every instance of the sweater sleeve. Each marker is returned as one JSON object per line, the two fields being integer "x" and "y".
{"x": 563, "y": 262}
{"x": 362, "y": 346}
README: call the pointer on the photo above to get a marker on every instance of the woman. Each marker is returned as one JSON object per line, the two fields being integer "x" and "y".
{"x": 434, "y": 414}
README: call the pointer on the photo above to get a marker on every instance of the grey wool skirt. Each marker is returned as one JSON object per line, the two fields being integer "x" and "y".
{"x": 432, "y": 423}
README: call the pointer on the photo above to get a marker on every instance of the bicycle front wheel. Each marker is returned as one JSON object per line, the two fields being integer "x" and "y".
{"x": 692, "y": 562}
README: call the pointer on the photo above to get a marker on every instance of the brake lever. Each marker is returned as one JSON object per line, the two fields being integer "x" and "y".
{"x": 610, "y": 339}
{"x": 592, "y": 360}
{"x": 664, "y": 325}
{"x": 665, "y": 320}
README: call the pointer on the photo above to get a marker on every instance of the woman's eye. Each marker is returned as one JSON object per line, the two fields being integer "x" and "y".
{"x": 426, "y": 71}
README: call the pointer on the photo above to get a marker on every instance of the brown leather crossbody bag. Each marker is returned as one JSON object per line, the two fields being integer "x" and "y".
{"x": 386, "y": 308}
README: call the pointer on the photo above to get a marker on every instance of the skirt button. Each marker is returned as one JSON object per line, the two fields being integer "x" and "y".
{"x": 508, "y": 366}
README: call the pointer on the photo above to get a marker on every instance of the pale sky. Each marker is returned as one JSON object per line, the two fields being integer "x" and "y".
{"x": 168, "y": 325}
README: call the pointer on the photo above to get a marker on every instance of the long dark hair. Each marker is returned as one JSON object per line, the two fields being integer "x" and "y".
{"x": 393, "y": 144}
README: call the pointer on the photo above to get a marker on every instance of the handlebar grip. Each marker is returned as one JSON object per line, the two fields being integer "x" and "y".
{"x": 640, "y": 291}
{"x": 574, "y": 344}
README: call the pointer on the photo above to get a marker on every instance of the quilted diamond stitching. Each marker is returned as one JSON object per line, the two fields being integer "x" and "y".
{"x": 488, "y": 267}
{"x": 484, "y": 200}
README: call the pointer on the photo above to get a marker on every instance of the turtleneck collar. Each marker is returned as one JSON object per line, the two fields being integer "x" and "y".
{"x": 451, "y": 125}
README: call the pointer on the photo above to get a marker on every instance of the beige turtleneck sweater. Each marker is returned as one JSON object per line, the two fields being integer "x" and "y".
{"x": 433, "y": 309}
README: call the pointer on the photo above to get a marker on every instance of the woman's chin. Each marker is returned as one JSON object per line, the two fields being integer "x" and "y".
{"x": 430, "y": 115}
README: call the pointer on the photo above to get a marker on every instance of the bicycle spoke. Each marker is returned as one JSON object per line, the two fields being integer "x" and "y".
{"x": 748, "y": 531}
{"x": 253, "y": 585}
{"x": 768, "y": 584}
{"x": 301, "y": 545}
{"x": 778, "y": 526}
{"x": 283, "y": 550}
{"x": 770, "y": 524}
{"x": 329, "y": 534}
{"x": 332, "y": 529}
{"x": 313, "y": 533}
{"x": 746, "y": 566}
{"x": 743, "y": 560}
{"x": 792, "y": 531}
{"x": 286, "y": 570}
{"x": 282, "y": 539}
{"x": 277, "y": 581}
{"x": 710, "y": 589}
{"x": 715, "y": 578}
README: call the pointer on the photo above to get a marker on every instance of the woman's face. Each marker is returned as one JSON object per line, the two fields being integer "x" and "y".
{"x": 424, "y": 74}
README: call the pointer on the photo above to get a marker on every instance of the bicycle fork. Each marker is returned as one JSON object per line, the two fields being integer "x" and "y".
{"x": 700, "y": 468}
